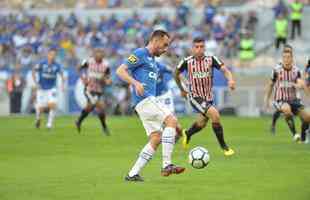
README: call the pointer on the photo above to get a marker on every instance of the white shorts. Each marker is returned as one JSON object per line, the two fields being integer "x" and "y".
{"x": 152, "y": 114}
{"x": 44, "y": 97}
{"x": 167, "y": 99}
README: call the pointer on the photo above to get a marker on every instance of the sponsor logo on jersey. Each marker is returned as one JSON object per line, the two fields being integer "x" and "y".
{"x": 286, "y": 84}
{"x": 200, "y": 74}
{"x": 95, "y": 75}
{"x": 153, "y": 75}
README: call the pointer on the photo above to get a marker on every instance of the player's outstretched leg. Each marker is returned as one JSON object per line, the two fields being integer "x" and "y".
{"x": 179, "y": 133}
{"x": 275, "y": 117}
{"x": 218, "y": 130}
{"x": 38, "y": 117}
{"x": 305, "y": 118}
{"x": 168, "y": 141}
{"x": 145, "y": 156}
{"x": 304, "y": 130}
{"x": 287, "y": 111}
{"x": 51, "y": 115}
{"x": 198, "y": 125}
{"x": 102, "y": 118}
{"x": 291, "y": 124}
{"x": 84, "y": 113}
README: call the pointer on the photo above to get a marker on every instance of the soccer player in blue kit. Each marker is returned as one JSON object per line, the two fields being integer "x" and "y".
{"x": 140, "y": 71}
{"x": 163, "y": 92}
{"x": 45, "y": 76}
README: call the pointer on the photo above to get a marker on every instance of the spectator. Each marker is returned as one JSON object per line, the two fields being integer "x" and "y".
{"x": 15, "y": 86}
{"x": 247, "y": 51}
{"x": 296, "y": 17}
{"x": 182, "y": 12}
{"x": 280, "y": 8}
{"x": 220, "y": 19}
{"x": 281, "y": 29}
{"x": 252, "y": 21}
{"x": 218, "y": 32}
{"x": 209, "y": 13}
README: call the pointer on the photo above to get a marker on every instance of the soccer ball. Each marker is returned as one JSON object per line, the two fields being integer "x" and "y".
{"x": 199, "y": 157}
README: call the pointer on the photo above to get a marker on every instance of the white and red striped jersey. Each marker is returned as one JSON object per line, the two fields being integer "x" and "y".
{"x": 284, "y": 80}
{"x": 95, "y": 73}
{"x": 200, "y": 75}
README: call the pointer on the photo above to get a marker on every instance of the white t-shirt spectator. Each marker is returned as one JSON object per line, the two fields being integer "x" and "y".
{"x": 211, "y": 47}
{"x": 221, "y": 19}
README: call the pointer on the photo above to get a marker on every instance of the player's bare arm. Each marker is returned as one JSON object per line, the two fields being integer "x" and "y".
{"x": 177, "y": 77}
{"x": 122, "y": 72}
{"x": 300, "y": 84}
{"x": 228, "y": 75}
{"x": 268, "y": 93}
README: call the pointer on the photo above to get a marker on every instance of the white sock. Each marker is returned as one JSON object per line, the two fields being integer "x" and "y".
{"x": 38, "y": 113}
{"x": 168, "y": 140}
{"x": 51, "y": 116}
{"x": 144, "y": 157}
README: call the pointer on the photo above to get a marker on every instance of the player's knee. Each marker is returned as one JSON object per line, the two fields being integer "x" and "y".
{"x": 213, "y": 114}
{"x": 89, "y": 108}
{"x": 287, "y": 113}
{"x": 171, "y": 121}
{"x": 215, "y": 117}
{"x": 155, "y": 140}
{"x": 201, "y": 123}
{"x": 41, "y": 109}
{"x": 51, "y": 105}
{"x": 306, "y": 118}
{"x": 100, "y": 106}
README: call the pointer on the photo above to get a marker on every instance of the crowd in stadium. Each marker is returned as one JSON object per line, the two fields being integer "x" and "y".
{"x": 95, "y": 4}
{"x": 26, "y": 36}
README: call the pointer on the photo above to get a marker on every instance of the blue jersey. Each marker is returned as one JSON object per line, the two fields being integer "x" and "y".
{"x": 142, "y": 66}
{"x": 164, "y": 76}
{"x": 47, "y": 74}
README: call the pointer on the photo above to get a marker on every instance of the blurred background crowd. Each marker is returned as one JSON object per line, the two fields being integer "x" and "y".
{"x": 25, "y": 37}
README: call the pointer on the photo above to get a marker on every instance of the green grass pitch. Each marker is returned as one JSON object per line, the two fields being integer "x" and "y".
{"x": 61, "y": 164}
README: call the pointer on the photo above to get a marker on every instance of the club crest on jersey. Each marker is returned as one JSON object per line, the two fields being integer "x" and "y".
{"x": 132, "y": 59}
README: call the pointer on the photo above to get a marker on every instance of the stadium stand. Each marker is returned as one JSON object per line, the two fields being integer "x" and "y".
{"x": 25, "y": 36}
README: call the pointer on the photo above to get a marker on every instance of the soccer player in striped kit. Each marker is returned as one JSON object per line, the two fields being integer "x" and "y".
{"x": 200, "y": 72}
{"x": 285, "y": 81}
{"x": 276, "y": 115}
{"x": 96, "y": 77}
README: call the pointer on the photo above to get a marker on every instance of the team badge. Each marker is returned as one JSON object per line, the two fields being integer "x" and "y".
{"x": 132, "y": 59}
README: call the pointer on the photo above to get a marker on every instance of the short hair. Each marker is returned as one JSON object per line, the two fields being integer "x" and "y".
{"x": 286, "y": 47}
{"x": 198, "y": 40}
{"x": 288, "y": 51}
{"x": 159, "y": 33}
